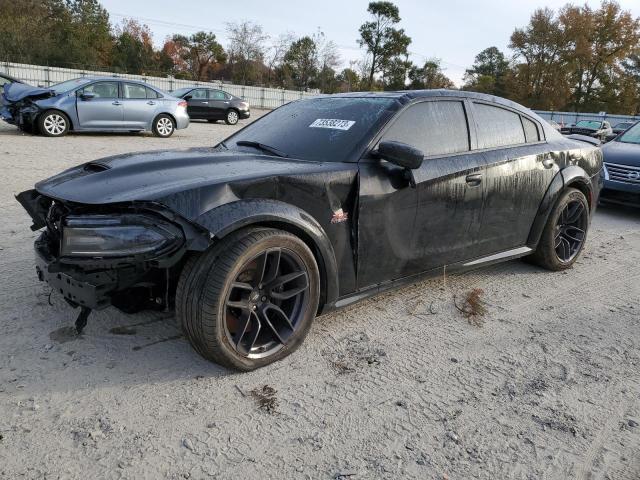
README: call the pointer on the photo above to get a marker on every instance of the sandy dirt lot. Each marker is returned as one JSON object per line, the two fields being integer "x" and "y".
{"x": 545, "y": 386}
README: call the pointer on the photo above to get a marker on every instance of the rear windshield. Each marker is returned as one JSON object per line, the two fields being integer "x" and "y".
{"x": 180, "y": 92}
{"x": 632, "y": 135}
{"x": 589, "y": 124}
{"x": 69, "y": 85}
{"x": 318, "y": 129}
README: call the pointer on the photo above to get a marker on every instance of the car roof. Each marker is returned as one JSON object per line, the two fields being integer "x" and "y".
{"x": 114, "y": 79}
{"x": 405, "y": 96}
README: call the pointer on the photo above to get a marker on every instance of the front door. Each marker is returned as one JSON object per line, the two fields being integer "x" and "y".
{"x": 198, "y": 104}
{"x": 103, "y": 110}
{"x": 405, "y": 230}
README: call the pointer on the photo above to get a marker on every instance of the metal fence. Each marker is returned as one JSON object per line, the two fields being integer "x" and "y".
{"x": 573, "y": 117}
{"x": 258, "y": 97}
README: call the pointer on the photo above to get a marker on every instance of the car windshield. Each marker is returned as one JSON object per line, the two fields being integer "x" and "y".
{"x": 69, "y": 85}
{"x": 632, "y": 135}
{"x": 180, "y": 92}
{"x": 318, "y": 129}
{"x": 589, "y": 124}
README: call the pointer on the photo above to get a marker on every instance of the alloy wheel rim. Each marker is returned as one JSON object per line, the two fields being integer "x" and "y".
{"x": 165, "y": 126}
{"x": 570, "y": 231}
{"x": 55, "y": 124}
{"x": 266, "y": 302}
{"x": 233, "y": 117}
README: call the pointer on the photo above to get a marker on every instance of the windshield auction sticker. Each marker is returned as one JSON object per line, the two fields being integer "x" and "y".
{"x": 334, "y": 123}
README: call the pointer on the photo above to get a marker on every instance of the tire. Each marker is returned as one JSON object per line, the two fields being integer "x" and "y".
{"x": 53, "y": 123}
{"x": 232, "y": 117}
{"x": 163, "y": 126}
{"x": 240, "y": 318}
{"x": 565, "y": 233}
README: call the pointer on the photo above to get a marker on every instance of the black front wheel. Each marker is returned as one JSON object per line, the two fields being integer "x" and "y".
{"x": 251, "y": 299}
{"x": 565, "y": 234}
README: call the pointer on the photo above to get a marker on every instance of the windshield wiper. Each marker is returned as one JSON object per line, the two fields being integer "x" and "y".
{"x": 261, "y": 146}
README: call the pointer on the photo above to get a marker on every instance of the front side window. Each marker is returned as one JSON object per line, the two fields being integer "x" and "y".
{"x": 103, "y": 89}
{"x": 436, "y": 128}
{"x": 497, "y": 127}
{"x": 217, "y": 95}
{"x": 134, "y": 91}
{"x": 318, "y": 129}
{"x": 198, "y": 94}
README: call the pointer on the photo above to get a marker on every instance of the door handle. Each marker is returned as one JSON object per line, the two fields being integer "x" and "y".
{"x": 474, "y": 179}
{"x": 117, "y": 103}
{"x": 151, "y": 103}
{"x": 205, "y": 102}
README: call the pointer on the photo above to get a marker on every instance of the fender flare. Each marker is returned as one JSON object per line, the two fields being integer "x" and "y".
{"x": 572, "y": 176}
{"x": 227, "y": 218}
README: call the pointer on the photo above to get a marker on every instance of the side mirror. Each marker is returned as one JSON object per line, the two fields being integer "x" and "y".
{"x": 187, "y": 97}
{"x": 401, "y": 154}
{"x": 88, "y": 96}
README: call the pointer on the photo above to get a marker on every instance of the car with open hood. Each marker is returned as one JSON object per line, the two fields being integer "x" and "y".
{"x": 622, "y": 168}
{"x": 316, "y": 205}
{"x": 92, "y": 104}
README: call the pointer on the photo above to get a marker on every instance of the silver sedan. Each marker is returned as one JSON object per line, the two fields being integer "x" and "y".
{"x": 93, "y": 104}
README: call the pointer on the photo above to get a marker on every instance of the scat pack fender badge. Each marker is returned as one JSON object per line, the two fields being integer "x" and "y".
{"x": 339, "y": 216}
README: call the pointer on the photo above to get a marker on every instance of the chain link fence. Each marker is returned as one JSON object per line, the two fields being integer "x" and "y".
{"x": 258, "y": 97}
{"x": 567, "y": 118}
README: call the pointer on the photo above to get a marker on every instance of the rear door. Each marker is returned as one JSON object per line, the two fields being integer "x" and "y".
{"x": 139, "y": 104}
{"x": 104, "y": 110}
{"x": 198, "y": 104}
{"x": 218, "y": 103}
{"x": 518, "y": 170}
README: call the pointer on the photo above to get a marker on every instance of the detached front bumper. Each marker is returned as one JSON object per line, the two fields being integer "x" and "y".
{"x": 90, "y": 289}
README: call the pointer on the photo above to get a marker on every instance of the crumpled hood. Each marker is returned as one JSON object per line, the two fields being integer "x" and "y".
{"x": 14, "y": 92}
{"x": 167, "y": 176}
{"x": 622, "y": 153}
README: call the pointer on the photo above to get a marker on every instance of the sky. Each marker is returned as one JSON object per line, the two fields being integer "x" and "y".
{"x": 454, "y": 31}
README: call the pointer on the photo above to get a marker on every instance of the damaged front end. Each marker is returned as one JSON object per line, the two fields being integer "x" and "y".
{"x": 126, "y": 256}
{"x": 19, "y": 107}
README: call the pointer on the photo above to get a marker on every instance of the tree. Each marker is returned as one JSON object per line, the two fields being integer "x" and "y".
{"x": 246, "y": 51}
{"x": 327, "y": 59}
{"x": 429, "y": 76}
{"x": 275, "y": 54}
{"x": 541, "y": 78}
{"x": 200, "y": 53}
{"x": 348, "y": 80}
{"x": 396, "y": 71}
{"x": 381, "y": 39}
{"x": 599, "y": 41}
{"x": 301, "y": 61}
{"x": 488, "y": 73}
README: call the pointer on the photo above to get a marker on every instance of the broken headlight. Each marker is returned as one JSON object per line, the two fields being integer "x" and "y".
{"x": 117, "y": 236}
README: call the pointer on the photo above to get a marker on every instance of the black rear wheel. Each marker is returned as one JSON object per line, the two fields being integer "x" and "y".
{"x": 565, "y": 234}
{"x": 251, "y": 299}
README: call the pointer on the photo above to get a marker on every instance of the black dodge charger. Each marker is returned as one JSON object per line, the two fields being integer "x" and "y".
{"x": 314, "y": 206}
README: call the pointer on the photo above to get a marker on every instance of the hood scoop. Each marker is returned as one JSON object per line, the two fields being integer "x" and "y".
{"x": 96, "y": 167}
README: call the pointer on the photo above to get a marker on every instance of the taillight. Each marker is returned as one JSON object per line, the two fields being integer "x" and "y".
{"x": 182, "y": 104}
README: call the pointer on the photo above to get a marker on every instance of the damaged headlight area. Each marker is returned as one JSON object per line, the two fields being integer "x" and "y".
{"x": 104, "y": 236}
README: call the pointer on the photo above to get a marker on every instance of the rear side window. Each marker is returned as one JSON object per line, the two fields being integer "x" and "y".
{"x": 133, "y": 90}
{"x": 199, "y": 94}
{"x": 530, "y": 130}
{"x": 151, "y": 93}
{"x": 497, "y": 127}
{"x": 436, "y": 128}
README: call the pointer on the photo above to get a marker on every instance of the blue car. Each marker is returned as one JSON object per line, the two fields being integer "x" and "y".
{"x": 93, "y": 104}
{"x": 622, "y": 168}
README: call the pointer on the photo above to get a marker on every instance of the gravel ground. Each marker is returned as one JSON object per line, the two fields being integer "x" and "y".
{"x": 545, "y": 385}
